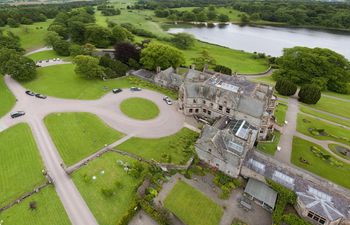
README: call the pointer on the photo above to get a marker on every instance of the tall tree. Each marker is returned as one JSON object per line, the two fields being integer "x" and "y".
{"x": 161, "y": 55}
{"x": 125, "y": 51}
{"x": 322, "y": 67}
{"x": 88, "y": 67}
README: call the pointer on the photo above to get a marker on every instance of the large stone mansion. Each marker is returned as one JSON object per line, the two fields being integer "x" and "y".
{"x": 240, "y": 112}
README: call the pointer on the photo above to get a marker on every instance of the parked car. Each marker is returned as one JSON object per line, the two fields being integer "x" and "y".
{"x": 17, "y": 114}
{"x": 30, "y": 93}
{"x": 40, "y": 96}
{"x": 116, "y": 90}
{"x": 167, "y": 100}
{"x": 135, "y": 89}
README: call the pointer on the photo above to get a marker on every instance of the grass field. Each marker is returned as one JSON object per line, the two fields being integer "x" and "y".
{"x": 318, "y": 166}
{"x": 310, "y": 111}
{"x": 78, "y": 135}
{"x": 31, "y": 36}
{"x": 49, "y": 54}
{"x": 334, "y": 106}
{"x": 7, "y": 99}
{"x": 49, "y": 210}
{"x": 139, "y": 108}
{"x": 280, "y": 113}
{"x": 20, "y": 163}
{"x": 336, "y": 133}
{"x": 61, "y": 81}
{"x": 238, "y": 61}
{"x": 333, "y": 148}
{"x": 160, "y": 148}
{"x": 107, "y": 210}
{"x": 192, "y": 206}
{"x": 270, "y": 147}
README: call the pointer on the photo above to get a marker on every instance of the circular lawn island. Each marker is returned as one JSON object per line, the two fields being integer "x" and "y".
{"x": 139, "y": 108}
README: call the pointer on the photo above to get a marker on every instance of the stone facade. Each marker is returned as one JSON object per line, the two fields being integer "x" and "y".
{"x": 225, "y": 144}
{"x": 213, "y": 95}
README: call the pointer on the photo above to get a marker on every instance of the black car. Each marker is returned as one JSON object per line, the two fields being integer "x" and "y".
{"x": 135, "y": 89}
{"x": 17, "y": 114}
{"x": 30, "y": 93}
{"x": 116, "y": 90}
{"x": 40, "y": 96}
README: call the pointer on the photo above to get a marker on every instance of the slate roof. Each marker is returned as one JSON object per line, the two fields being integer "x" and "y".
{"x": 143, "y": 73}
{"x": 333, "y": 207}
{"x": 171, "y": 77}
{"x": 250, "y": 96}
{"x": 261, "y": 191}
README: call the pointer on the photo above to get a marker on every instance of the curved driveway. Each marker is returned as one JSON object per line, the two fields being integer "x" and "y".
{"x": 168, "y": 122}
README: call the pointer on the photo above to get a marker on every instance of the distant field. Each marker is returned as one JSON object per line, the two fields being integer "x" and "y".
{"x": 31, "y": 36}
{"x": 109, "y": 175}
{"x": 78, "y": 135}
{"x": 7, "y": 99}
{"x": 192, "y": 206}
{"x": 61, "y": 81}
{"x": 20, "y": 163}
{"x": 318, "y": 166}
{"x": 49, "y": 210}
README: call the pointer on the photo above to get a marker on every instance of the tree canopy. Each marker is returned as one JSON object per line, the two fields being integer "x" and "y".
{"x": 161, "y": 55}
{"x": 183, "y": 40}
{"x": 322, "y": 67}
{"x": 88, "y": 67}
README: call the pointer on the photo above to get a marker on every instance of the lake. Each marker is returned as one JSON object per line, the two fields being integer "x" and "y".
{"x": 268, "y": 39}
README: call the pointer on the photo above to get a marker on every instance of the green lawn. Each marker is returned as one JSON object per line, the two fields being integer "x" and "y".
{"x": 49, "y": 54}
{"x": 334, "y": 106}
{"x": 107, "y": 210}
{"x": 336, "y": 133}
{"x": 7, "y": 99}
{"x": 266, "y": 80}
{"x": 163, "y": 149}
{"x": 61, "y": 81}
{"x": 20, "y": 163}
{"x": 270, "y": 147}
{"x": 280, "y": 113}
{"x": 192, "y": 206}
{"x": 139, "y": 108}
{"x": 333, "y": 148}
{"x": 31, "y": 36}
{"x": 318, "y": 166}
{"x": 49, "y": 210}
{"x": 310, "y": 111}
{"x": 78, "y": 135}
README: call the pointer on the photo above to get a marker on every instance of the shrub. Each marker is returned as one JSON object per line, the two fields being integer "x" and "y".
{"x": 223, "y": 69}
{"x": 285, "y": 87}
{"x": 107, "y": 192}
{"x": 309, "y": 94}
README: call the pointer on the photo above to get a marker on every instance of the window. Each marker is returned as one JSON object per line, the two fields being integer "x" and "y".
{"x": 191, "y": 110}
{"x": 204, "y": 110}
{"x": 316, "y": 217}
{"x": 209, "y": 150}
{"x": 217, "y": 164}
{"x": 211, "y": 105}
{"x": 197, "y": 110}
{"x": 220, "y": 107}
{"x": 209, "y": 112}
{"x": 194, "y": 101}
{"x": 204, "y": 101}
{"x": 228, "y": 110}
